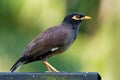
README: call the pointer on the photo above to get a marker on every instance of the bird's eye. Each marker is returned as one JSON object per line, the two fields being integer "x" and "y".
{"x": 76, "y": 17}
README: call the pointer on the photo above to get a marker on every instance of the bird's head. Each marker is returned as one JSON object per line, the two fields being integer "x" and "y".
{"x": 75, "y": 18}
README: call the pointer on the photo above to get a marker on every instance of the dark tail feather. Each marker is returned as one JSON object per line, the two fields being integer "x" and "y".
{"x": 17, "y": 65}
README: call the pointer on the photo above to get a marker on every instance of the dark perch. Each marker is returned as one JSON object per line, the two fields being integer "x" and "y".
{"x": 49, "y": 76}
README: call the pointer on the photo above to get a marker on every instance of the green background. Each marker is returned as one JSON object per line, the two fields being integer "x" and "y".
{"x": 97, "y": 48}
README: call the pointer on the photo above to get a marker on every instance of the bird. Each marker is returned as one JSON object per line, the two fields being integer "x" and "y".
{"x": 54, "y": 40}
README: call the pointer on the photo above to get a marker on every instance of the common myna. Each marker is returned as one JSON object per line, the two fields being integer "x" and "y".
{"x": 52, "y": 41}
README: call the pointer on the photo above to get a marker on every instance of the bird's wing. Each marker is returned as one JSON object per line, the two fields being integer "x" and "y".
{"x": 50, "y": 39}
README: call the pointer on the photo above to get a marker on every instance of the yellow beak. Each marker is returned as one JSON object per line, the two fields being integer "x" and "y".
{"x": 85, "y": 18}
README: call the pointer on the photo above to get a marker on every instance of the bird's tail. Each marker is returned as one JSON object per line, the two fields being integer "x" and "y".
{"x": 17, "y": 65}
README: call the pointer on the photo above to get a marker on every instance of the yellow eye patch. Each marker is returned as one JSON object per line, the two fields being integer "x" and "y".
{"x": 83, "y": 18}
{"x": 75, "y": 18}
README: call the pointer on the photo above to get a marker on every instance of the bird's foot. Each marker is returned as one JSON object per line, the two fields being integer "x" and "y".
{"x": 52, "y": 71}
{"x": 48, "y": 71}
{"x": 56, "y": 70}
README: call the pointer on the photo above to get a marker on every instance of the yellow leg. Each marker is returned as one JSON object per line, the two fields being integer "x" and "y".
{"x": 49, "y": 70}
{"x": 50, "y": 67}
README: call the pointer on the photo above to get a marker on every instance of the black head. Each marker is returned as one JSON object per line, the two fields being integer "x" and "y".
{"x": 75, "y": 18}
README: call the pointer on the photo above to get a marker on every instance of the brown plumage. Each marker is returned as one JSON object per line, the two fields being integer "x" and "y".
{"x": 54, "y": 40}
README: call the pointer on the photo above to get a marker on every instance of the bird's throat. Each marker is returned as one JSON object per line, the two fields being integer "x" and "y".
{"x": 70, "y": 25}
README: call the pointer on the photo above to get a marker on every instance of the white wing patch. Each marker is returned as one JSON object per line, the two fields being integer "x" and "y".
{"x": 54, "y": 49}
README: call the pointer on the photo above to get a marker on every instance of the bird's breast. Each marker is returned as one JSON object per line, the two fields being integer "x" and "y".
{"x": 69, "y": 38}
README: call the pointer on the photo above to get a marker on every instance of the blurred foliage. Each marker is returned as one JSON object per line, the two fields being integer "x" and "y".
{"x": 96, "y": 48}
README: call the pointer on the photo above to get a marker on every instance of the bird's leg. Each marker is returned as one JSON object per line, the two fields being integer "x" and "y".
{"x": 49, "y": 70}
{"x": 50, "y": 66}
